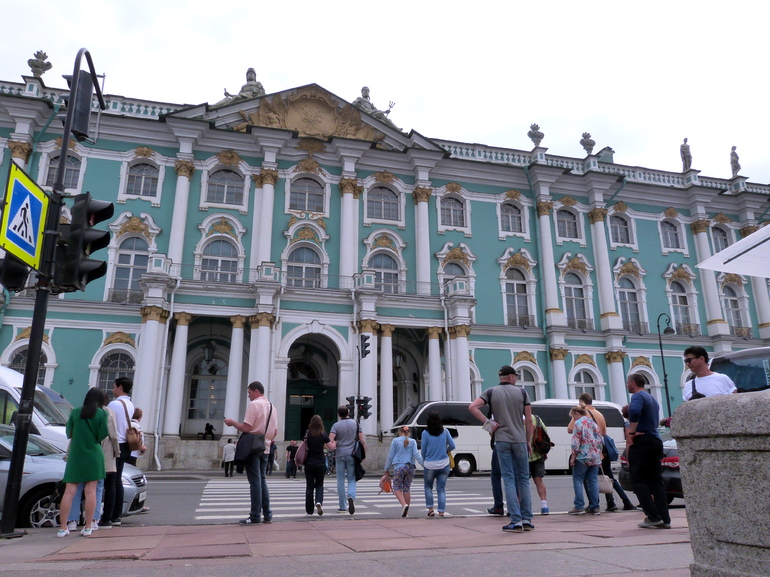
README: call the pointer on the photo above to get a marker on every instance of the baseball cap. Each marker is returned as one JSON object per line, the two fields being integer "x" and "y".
{"x": 506, "y": 370}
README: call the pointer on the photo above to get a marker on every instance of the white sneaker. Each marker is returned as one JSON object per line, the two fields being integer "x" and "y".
{"x": 86, "y": 532}
{"x": 94, "y": 525}
{"x": 62, "y": 532}
{"x": 72, "y": 525}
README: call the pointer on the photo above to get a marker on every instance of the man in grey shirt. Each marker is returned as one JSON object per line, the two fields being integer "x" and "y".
{"x": 343, "y": 435}
{"x": 512, "y": 430}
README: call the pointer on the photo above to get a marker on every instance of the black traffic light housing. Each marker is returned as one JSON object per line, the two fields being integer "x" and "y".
{"x": 351, "y": 406}
{"x": 79, "y": 99}
{"x": 75, "y": 270}
{"x": 13, "y": 273}
{"x": 365, "y": 407}
{"x": 365, "y": 345}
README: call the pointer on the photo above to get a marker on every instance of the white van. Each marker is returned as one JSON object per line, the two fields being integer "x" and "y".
{"x": 48, "y": 421}
{"x": 555, "y": 416}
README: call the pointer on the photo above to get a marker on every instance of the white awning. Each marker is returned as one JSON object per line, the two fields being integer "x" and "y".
{"x": 749, "y": 256}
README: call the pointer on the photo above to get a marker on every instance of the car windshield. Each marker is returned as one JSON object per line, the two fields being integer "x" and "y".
{"x": 406, "y": 416}
{"x": 47, "y": 409}
{"x": 35, "y": 445}
{"x": 750, "y": 373}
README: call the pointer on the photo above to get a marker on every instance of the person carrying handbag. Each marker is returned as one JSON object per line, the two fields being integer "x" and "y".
{"x": 343, "y": 438}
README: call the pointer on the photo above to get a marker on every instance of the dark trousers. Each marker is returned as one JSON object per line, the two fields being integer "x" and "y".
{"x": 109, "y": 497}
{"x": 256, "y": 469}
{"x": 229, "y": 468}
{"x": 496, "y": 477}
{"x": 314, "y": 487}
{"x": 291, "y": 469}
{"x": 647, "y": 476}
{"x": 607, "y": 470}
{"x": 125, "y": 454}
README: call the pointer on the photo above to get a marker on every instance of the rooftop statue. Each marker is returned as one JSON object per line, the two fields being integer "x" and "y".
{"x": 684, "y": 151}
{"x": 364, "y": 103}
{"x": 535, "y": 135}
{"x": 734, "y": 164}
{"x": 38, "y": 64}
{"x": 587, "y": 143}
{"x": 252, "y": 89}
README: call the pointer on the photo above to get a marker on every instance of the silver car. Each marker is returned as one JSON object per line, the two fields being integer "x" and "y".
{"x": 43, "y": 468}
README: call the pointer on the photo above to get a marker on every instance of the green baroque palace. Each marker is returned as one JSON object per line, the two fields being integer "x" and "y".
{"x": 260, "y": 237}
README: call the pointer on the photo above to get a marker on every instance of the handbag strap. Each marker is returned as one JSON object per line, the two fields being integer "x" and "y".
{"x": 267, "y": 423}
{"x": 694, "y": 390}
{"x": 125, "y": 410}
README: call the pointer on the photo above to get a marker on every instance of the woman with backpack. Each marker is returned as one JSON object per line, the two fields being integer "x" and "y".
{"x": 435, "y": 444}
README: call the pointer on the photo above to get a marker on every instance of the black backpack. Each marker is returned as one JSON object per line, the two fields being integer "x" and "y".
{"x": 541, "y": 442}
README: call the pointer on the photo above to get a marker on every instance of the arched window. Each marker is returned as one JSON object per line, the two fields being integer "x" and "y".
{"x": 630, "y": 313}
{"x": 130, "y": 264}
{"x": 307, "y": 194}
{"x": 382, "y": 203}
{"x": 386, "y": 272}
{"x": 452, "y": 269}
{"x": 527, "y": 381}
{"x": 510, "y": 218}
{"x": 142, "y": 180}
{"x": 304, "y": 268}
{"x": 620, "y": 229}
{"x": 219, "y": 262}
{"x": 517, "y": 299}
{"x": 208, "y": 388}
{"x": 567, "y": 224}
{"x": 452, "y": 212}
{"x": 575, "y": 302}
{"x": 225, "y": 187}
{"x": 584, "y": 383}
{"x": 680, "y": 304}
{"x": 71, "y": 171}
{"x": 114, "y": 365}
{"x": 670, "y": 234}
{"x": 721, "y": 241}
{"x": 732, "y": 307}
{"x": 19, "y": 364}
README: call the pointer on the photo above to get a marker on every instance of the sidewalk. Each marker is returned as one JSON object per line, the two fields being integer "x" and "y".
{"x": 561, "y": 545}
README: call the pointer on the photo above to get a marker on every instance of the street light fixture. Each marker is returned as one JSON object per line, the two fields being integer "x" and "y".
{"x": 667, "y": 331}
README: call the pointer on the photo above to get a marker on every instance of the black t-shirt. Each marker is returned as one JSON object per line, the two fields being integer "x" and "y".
{"x": 292, "y": 450}
{"x": 315, "y": 449}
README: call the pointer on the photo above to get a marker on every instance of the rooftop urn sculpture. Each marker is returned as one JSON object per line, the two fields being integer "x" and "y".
{"x": 535, "y": 135}
{"x": 587, "y": 143}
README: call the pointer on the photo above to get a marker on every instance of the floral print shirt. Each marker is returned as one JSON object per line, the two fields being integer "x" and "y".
{"x": 587, "y": 442}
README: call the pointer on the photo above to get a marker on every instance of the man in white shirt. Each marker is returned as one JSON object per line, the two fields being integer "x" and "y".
{"x": 123, "y": 408}
{"x": 707, "y": 382}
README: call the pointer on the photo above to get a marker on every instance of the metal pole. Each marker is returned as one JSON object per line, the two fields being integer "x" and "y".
{"x": 663, "y": 360}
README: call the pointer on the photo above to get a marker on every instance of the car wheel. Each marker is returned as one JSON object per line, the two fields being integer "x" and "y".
{"x": 464, "y": 465}
{"x": 37, "y": 510}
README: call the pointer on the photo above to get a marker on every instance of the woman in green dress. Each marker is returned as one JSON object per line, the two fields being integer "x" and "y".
{"x": 86, "y": 428}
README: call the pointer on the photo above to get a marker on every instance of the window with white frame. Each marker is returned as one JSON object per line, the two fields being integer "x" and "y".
{"x": 452, "y": 269}
{"x": 307, "y": 195}
{"x": 670, "y": 235}
{"x": 19, "y": 364}
{"x": 630, "y": 309}
{"x": 71, "y": 171}
{"x": 575, "y": 302}
{"x": 528, "y": 382}
{"x": 517, "y": 299}
{"x": 680, "y": 305}
{"x": 584, "y": 383}
{"x": 732, "y": 308}
{"x": 382, "y": 204}
{"x": 385, "y": 270}
{"x": 304, "y": 268}
{"x": 113, "y": 365}
{"x": 225, "y": 187}
{"x": 720, "y": 238}
{"x": 510, "y": 218}
{"x": 452, "y": 212}
{"x": 219, "y": 262}
{"x": 130, "y": 264}
{"x": 567, "y": 224}
{"x": 620, "y": 230}
{"x": 143, "y": 180}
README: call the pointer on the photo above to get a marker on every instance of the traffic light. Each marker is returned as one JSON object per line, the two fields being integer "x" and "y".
{"x": 77, "y": 270}
{"x": 365, "y": 345}
{"x": 80, "y": 103}
{"x": 13, "y": 273}
{"x": 351, "y": 406}
{"x": 365, "y": 408}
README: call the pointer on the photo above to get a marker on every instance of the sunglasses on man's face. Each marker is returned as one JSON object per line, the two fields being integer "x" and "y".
{"x": 688, "y": 360}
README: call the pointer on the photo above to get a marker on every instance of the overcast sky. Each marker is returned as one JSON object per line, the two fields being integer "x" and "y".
{"x": 638, "y": 76}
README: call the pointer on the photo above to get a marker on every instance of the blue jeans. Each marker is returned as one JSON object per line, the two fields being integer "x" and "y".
{"x": 345, "y": 468}
{"x": 256, "y": 471}
{"x": 440, "y": 476}
{"x": 75, "y": 509}
{"x": 514, "y": 467}
{"x": 590, "y": 475}
{"x": 497, "y": 482}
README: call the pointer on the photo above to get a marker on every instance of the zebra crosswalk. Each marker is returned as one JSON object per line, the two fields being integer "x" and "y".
{"x": 227, "y": 499}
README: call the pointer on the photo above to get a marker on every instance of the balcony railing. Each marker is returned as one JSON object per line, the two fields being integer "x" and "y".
{"x": 125, "y": 296}
{"x": 637, "y": 327}
{"x": 741, "y": 332}
{"x": 581, "y": 324}
{"x": 689, "y": 330}
{"x": 523, "y": 321}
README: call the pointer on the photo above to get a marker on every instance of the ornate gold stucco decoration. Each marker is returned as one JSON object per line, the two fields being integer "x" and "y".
{"x": 597, "y": 214}
{"x": 348, "y": 185}
{"x": 456, "y": 254}
{"x": 269, "y": 176}
{"x": 671, "y": 212}
{"x": 119, "y": 338}
{"x": 143, "y": 152}
{"x": 311, "y": 146}
{"x": 153, "y": 313}
{"x": 722, "y": 218}
{"x": 641, "y": 362}
{"x": 305, "y": 233}
{"x": 135, "y": 225}
{"x": 576, "y": 264}
{"x": 453, "y": 187}
{"x": 384, "y": 241}
{"x": 222, "y": 227}
{"x": 512, "y": 194}
{"x": 434, "y": 332}
{"x": 620, "y": 206}
{"x": 183, "y": 319}
{"x": 71, "y": 144}
{"x": 700, "y": 226}
{"x": 568, "y": 201}
{"x": 558, "y": 353}
{"x": 459, "y": 331}
{"x": 25, "y": 335}
{"x": 368, "y": 326}
{"x": 747, "y": 230}
{"x": 321, "y": 222}
{"x": 630, "y": 269}
{"x": 184, "y": 168}
{"x": 681, "y": 274}
{"x": 517, "y": 260}
{"x": 585, "y": 360}
{"x": 615, "y": 356}
{"x": 308, "y": 165}
{"x": 228, "y": 157}
{"x": 525, "y": 356}
{"x": 544, "y": 208}
{"x": 732, "y": 278}
{"x": 20, "y": 150}
{"x": 421, "y": 194}
{"x": 262, "y": 320}
{"x": 257, "y": 180}
{"x": 384, "y": 176}
{"x": 292, "y": 222}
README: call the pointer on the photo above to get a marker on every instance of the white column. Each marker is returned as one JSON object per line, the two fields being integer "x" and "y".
{"x": 184, "y": 172}
{"x": 435, "y": 385}
{"x": 554, "y": 315}
{"x": 368, "y": 376}
{"x": 259, "y": 358}
{"x": 348, "y": 232}
{"x": 235, "y": 391}
{"x": 618, "y": 390}
{"x": 265, "y": 232}
{"x": 276, "y": 394}
{"x": 559, "y": 373}
{"x": 762, "y": 304}
{"x": 609, "y": 317}
{"x": 422, "y": 239}
{"x": 347, "y": 383}
{"x": 175, "y": 393}
{"x": 462, "y": 377}
{"x": 147, "y": 371}
{"x": 715, "y": 324}
{"x": 386, "y": 377}
{"x": 256, "y": 225}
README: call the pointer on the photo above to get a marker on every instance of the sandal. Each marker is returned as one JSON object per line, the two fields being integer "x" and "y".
{"x": 431, "y": 513}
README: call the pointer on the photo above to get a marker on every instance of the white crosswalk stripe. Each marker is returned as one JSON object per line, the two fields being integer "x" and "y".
{"x": 228, "y": 499}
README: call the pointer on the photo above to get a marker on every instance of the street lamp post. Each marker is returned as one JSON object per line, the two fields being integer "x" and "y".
{"x": 667, "y": 331}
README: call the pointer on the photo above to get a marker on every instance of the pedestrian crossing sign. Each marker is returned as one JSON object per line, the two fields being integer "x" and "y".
{"x": 25, "y": 208}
